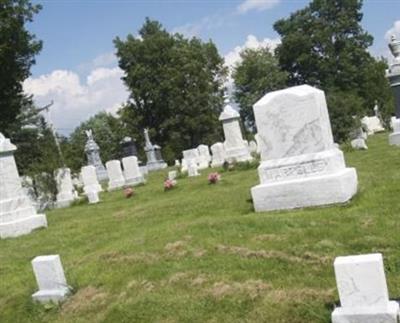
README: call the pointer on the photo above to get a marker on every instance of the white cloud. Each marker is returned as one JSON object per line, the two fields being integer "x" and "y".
{"x": 258, "y": 5}
{"x": 76, "y": 100}
{"x": 395, "y": 30}
{"x": 205, "y": 24}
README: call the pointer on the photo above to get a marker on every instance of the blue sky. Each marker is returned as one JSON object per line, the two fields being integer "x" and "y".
{"x": 77, "y": 69}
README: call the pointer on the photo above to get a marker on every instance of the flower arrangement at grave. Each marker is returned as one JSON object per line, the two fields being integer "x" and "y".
{"x": 129, "y": 192}
{"x": 169, "y": 184}
{"x": 214, "y": 178}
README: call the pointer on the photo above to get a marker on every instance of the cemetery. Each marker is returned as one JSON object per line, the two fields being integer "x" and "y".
{"x": 261, "y": 191}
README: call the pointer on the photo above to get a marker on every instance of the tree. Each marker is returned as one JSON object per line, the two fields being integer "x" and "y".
{"x": 176, "y": 88}
{"x": 108, "y": 133}
{"x": 257, "y": 74}
{"x": 18, "y": 48}
{"x": 324, "y": 45}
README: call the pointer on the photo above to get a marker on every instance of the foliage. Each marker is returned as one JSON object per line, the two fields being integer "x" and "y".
{"x": 324, "y": 45}
{"x": 176, "y": 88}
{"x": 341, "y": 106}
{"x": 108, "y": 132}
{"x": 257, "y": 74}
{"x": 17, "y": 50}
{"x": 201, "y": 254}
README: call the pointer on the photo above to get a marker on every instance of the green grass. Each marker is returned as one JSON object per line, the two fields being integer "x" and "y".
{"x": 200, "y": 254}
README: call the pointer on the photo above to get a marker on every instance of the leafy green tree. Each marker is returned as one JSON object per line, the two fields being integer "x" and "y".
{"x": 257, "y": 74}
{"x": 107, "y": 132}
{"x": 18, "y": 48}
{"x": 324, "y": 45}
{"x": 176, "y": 88}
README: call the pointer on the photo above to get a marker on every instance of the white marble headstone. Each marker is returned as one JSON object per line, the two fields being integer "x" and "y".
{"x": 236, "y": 148}
{"x": 363, "y": 292}
{"x": 300, "y": 165}
{"x": 132, "y": 173}
{"x": 115, "y": 176}
{"x": 218, "y": 154}
{"x": 204, "y": 156}
{"x": 50, "y": 278}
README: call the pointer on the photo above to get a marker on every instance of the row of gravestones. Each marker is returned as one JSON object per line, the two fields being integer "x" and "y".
{"x": 233, "y": 149}
{"x": 360, "y": 281}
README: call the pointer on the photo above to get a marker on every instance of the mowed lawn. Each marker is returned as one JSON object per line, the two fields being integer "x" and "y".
{"x": 200, "y": 254}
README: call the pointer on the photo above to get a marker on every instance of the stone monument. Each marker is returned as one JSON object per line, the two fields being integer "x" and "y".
{"x": 153, "y": 154}
{"x": 66, "y": 193}
{"x": 132, "y": 173}
{"x": 204, "y": 156}
{"x": 363, "y": 292}
{"x": 128, "y": 147}
{"x": 114, "y": 172}
{"x": 300, "y": 165}
{"x": 17, "y": 213}
{"x": 92, "y": 151}
{"x": 373, "y": 124}
{"x": 236, "y": 149}
{"x": 394, "y": 78}
{"x": 50, "y": 278}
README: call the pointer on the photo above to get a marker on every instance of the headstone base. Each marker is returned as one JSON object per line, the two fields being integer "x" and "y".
{"x": 92, "y": 188}
{"x": 156, "y": 166}
{"x": 22, "y": 226}
{"x": 338, "y": 187}
{"x": 46, "y": 296}
{"x": 217, "y": 163}
{"x": 372, "y": 314}
{"x": 112, "y": 186}
{"x": 64, "y": 200}
{"x": 238, "y": 155}
{"x": 93, "y": 197}
{"x": 134, "y": 181}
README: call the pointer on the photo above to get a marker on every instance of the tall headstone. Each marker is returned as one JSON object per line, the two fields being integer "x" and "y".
{"x": 394, "y": 79}
{"x": 115, "y": 176}
{"x": 17, "y": 213}
{"x": 300, "y": 165}
{"x": 204, "y": 156}
{"x": 236, "y": 149}
{"x": 192, "y": 168}
{"x": 128, "y": 147}
{"x": 66, "y": 193}
{"x": 363, "y": 292}
{"x": 132, "y": 173}
{"x": 50, "y": 278}
{"x": 191, "y": 156}
{"x": 89, "y": 179}
{"x": 92, "y": 151}
{"x": 153, "y": 154}
{"x": 218, "y": 154}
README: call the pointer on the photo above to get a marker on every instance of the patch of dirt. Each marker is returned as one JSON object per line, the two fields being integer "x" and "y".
{"x": 300, "y": 294}
{"x": 178, "y": 277}
{"x": 83, "y": 299}
{"x": 199, "y": 253}
{"x": 199, "y": 280}
{"x": 177, "y": 248}
{"x": 251, "y": 288}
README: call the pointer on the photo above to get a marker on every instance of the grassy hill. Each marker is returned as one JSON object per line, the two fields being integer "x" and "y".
{"x": 200, "y": 254}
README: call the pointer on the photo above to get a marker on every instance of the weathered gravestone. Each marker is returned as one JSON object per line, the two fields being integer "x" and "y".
{"x": 218, "y": 154}
{"x": 236, "y": 149}
{"x": 50, "y": 278}
{"x": 17, "y": 213}
{"x": 172, "y": 175}
{"x": 116, "y": 178}
{"x": 300, "y": 165}
{"x": 66, "y": 193}
{"x": 204, "y": 156}
{"x": 132, "y": 173}
{"x": 192, "y": 168}
{"x": 89, "y": 179}
{"x": 363, "y": 292}
{"x": 153, "y": 154}
{"x": 394, "y": 79}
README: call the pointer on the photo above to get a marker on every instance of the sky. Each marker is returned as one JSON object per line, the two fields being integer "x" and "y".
{"x": 77, "y": 68}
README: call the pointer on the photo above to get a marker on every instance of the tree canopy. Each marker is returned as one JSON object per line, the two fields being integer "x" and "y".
{"x": 18, "y": 48}
{"x": 176, "y": 88}
{"x": 257, "y": 74}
